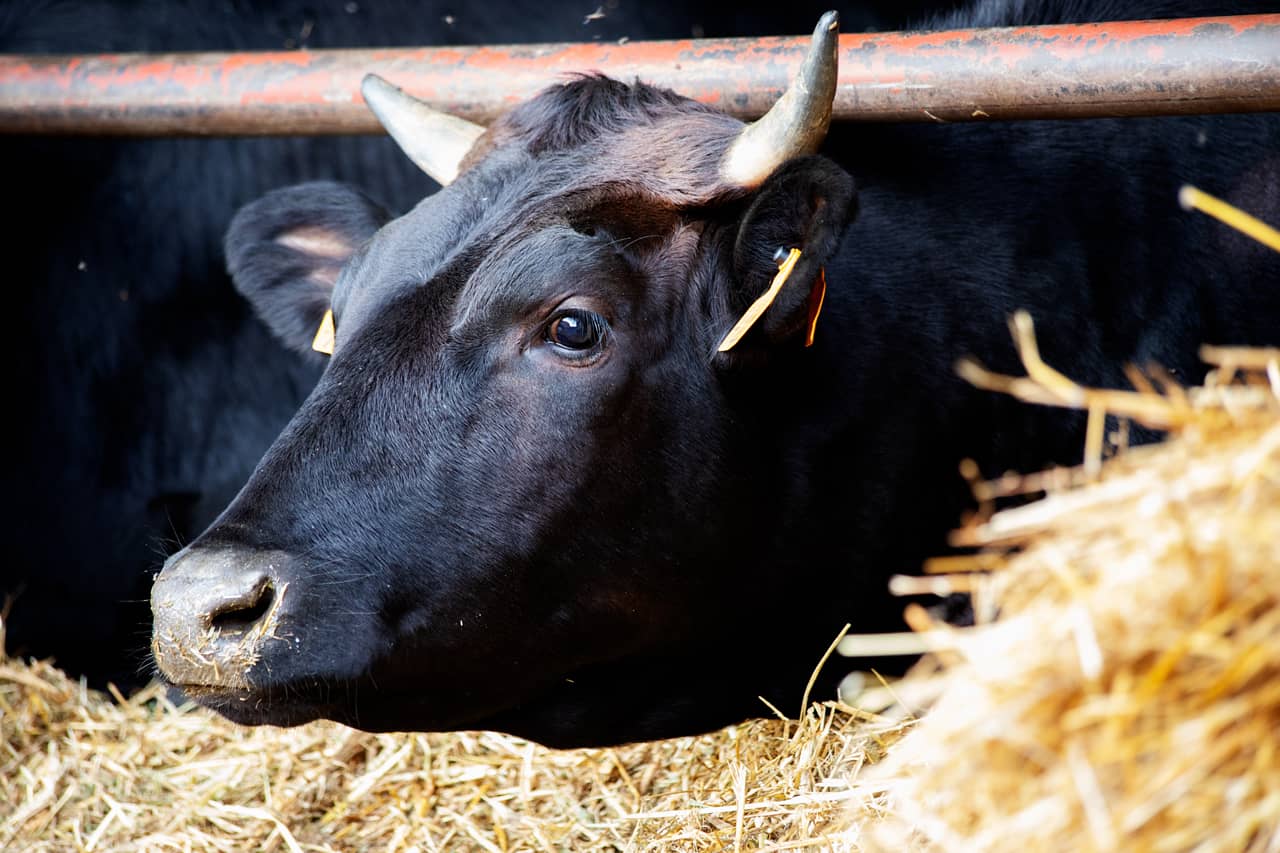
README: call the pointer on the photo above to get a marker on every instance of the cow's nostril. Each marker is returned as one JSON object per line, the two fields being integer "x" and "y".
{"x": 215, "y": 610}
{"x": 245, "y": 611}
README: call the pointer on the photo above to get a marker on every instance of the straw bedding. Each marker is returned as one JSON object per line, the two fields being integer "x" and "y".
{"x": 1121, "y": 690}
{"x": 82, "y": 770}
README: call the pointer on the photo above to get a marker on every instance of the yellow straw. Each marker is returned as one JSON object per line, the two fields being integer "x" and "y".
{"x": 1191, "y": 198}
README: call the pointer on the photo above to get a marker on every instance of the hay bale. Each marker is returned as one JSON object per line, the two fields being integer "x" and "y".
{"x": 1122, "y": 687}
{"x": 83, "y": 770}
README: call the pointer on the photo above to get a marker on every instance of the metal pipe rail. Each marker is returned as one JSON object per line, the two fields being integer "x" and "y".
{"x": 1196, "y": 65}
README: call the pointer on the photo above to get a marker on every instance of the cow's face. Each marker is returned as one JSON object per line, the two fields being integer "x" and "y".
{"x": 520, "y": 496}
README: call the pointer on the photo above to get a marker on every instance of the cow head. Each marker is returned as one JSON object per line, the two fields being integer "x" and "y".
{"x": 526, "y": 493}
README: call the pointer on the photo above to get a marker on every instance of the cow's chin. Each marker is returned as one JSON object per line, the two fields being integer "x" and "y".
{"x": 258, "y": 707}
{"x": 298, "y": 703}
{"x": 591, "y": 708}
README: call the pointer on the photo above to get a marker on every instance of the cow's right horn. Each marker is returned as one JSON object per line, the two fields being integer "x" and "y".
{"x": 435, "y": 141}
{"x": 798, "y": 122}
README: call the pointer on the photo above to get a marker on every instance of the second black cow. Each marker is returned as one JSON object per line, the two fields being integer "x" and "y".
{"x": 528, "y": 492}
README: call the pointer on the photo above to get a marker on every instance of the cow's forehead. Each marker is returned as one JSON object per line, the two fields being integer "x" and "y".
{"x": 542, "y": 269}
{"x": 493, "y": 218}
{"x": 642, "y": 164}
{"x": 442, "y": 229}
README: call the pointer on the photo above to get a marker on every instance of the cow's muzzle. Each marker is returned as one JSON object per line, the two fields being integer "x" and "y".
{"x": 215, "y": 610}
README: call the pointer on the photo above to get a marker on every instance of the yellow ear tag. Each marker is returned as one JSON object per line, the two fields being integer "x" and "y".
{"x": 758, "y": 307}
{"x": 325, "y": 334}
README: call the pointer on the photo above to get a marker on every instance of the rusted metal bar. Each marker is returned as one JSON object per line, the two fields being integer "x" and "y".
{"x": 1198, "y": 65}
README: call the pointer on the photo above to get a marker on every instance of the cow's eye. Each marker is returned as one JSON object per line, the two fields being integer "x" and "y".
{"x": 577, "y": 331}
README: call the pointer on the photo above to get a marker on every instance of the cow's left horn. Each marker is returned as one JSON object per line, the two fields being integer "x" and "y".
{"x": 798, "y": 122}
{"x": 435, "y": 141}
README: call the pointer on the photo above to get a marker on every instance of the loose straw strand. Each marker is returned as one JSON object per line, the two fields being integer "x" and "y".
{"x": 1192, "y": 198}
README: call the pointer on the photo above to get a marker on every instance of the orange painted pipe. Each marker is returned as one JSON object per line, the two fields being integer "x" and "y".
{"x": 1198, "y": 65}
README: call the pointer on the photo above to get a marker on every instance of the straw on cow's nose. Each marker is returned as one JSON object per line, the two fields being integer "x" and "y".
{"x": 213, "y": 609}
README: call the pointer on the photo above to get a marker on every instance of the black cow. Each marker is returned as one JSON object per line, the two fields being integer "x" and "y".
{"x": 529, "y": 494}
{"x": 148, "y": 389}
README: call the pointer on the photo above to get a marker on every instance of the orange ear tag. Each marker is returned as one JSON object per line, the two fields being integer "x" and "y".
{"x": 325, "y": 335}
{"x": 758, "y": 307}
{"x": 816, "y": 297}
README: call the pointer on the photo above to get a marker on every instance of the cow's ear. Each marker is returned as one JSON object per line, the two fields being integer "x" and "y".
{"x": 805, "y": 205}
{"x": 285, "y": 250}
